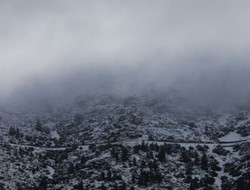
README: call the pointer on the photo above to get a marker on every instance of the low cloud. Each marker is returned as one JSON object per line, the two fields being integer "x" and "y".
{"x": 62, "y": 48}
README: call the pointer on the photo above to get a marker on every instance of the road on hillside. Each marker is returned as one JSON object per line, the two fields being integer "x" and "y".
{"x": 58, "y": 148}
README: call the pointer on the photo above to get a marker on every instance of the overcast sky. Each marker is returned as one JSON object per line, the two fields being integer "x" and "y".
{"x": 188, "y": 43}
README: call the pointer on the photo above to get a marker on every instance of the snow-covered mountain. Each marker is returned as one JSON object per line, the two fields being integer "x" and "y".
{"x": 126, "y": 142}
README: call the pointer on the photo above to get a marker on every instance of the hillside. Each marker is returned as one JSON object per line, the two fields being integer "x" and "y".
{"x": 126, "y": 142}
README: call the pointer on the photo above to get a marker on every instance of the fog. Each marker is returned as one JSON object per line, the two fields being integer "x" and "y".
{"x": 59, "y": 50}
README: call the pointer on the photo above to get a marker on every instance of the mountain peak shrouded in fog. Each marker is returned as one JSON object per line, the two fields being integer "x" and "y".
{"x": 60, "y": 49}
{"x": 124, "y": 94}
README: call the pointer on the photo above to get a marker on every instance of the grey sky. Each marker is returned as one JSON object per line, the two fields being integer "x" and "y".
{"x": 191, "y": 43}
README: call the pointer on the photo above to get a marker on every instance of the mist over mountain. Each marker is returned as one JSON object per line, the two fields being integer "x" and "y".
{"x": 53, "y": 49}
{"x": 204, "y": 80}
{"x": 124, "y": 95}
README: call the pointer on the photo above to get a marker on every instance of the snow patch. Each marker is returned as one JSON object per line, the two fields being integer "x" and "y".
{"x": 232, "y": 136}
{"x": 51, "y": 172}
{"x": 55, "y": 135}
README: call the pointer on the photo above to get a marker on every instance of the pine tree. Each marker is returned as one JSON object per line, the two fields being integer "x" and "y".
{"x": 185, "y": 157}
{"x": 12, "y": 131}
{"x": 196, "y": 158}
{"x": 123, "y": 186}
{"x": 109, "y": 176}
{"x": 102, "y": 175}
{"x": 71, "y": 169}
{"x": 83, "y": 159}
{"x": 124, "y": 156}
{"x": 80, "y": 185}
{"x": 162, "y": 155}
{"x": 39, "y": 125}
{"x": 194, "y": 184}
{"x": 103, "y": 187}
{"x": 204, "y": 161}
{"x": 43, "y": 183}
{"x": 134, "y": 161}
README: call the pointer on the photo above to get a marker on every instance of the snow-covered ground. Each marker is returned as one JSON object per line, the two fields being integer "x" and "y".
{"x": 232, "y": 136}
{"x": 55, "y": 135}
{"x": 80, "y": 140}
